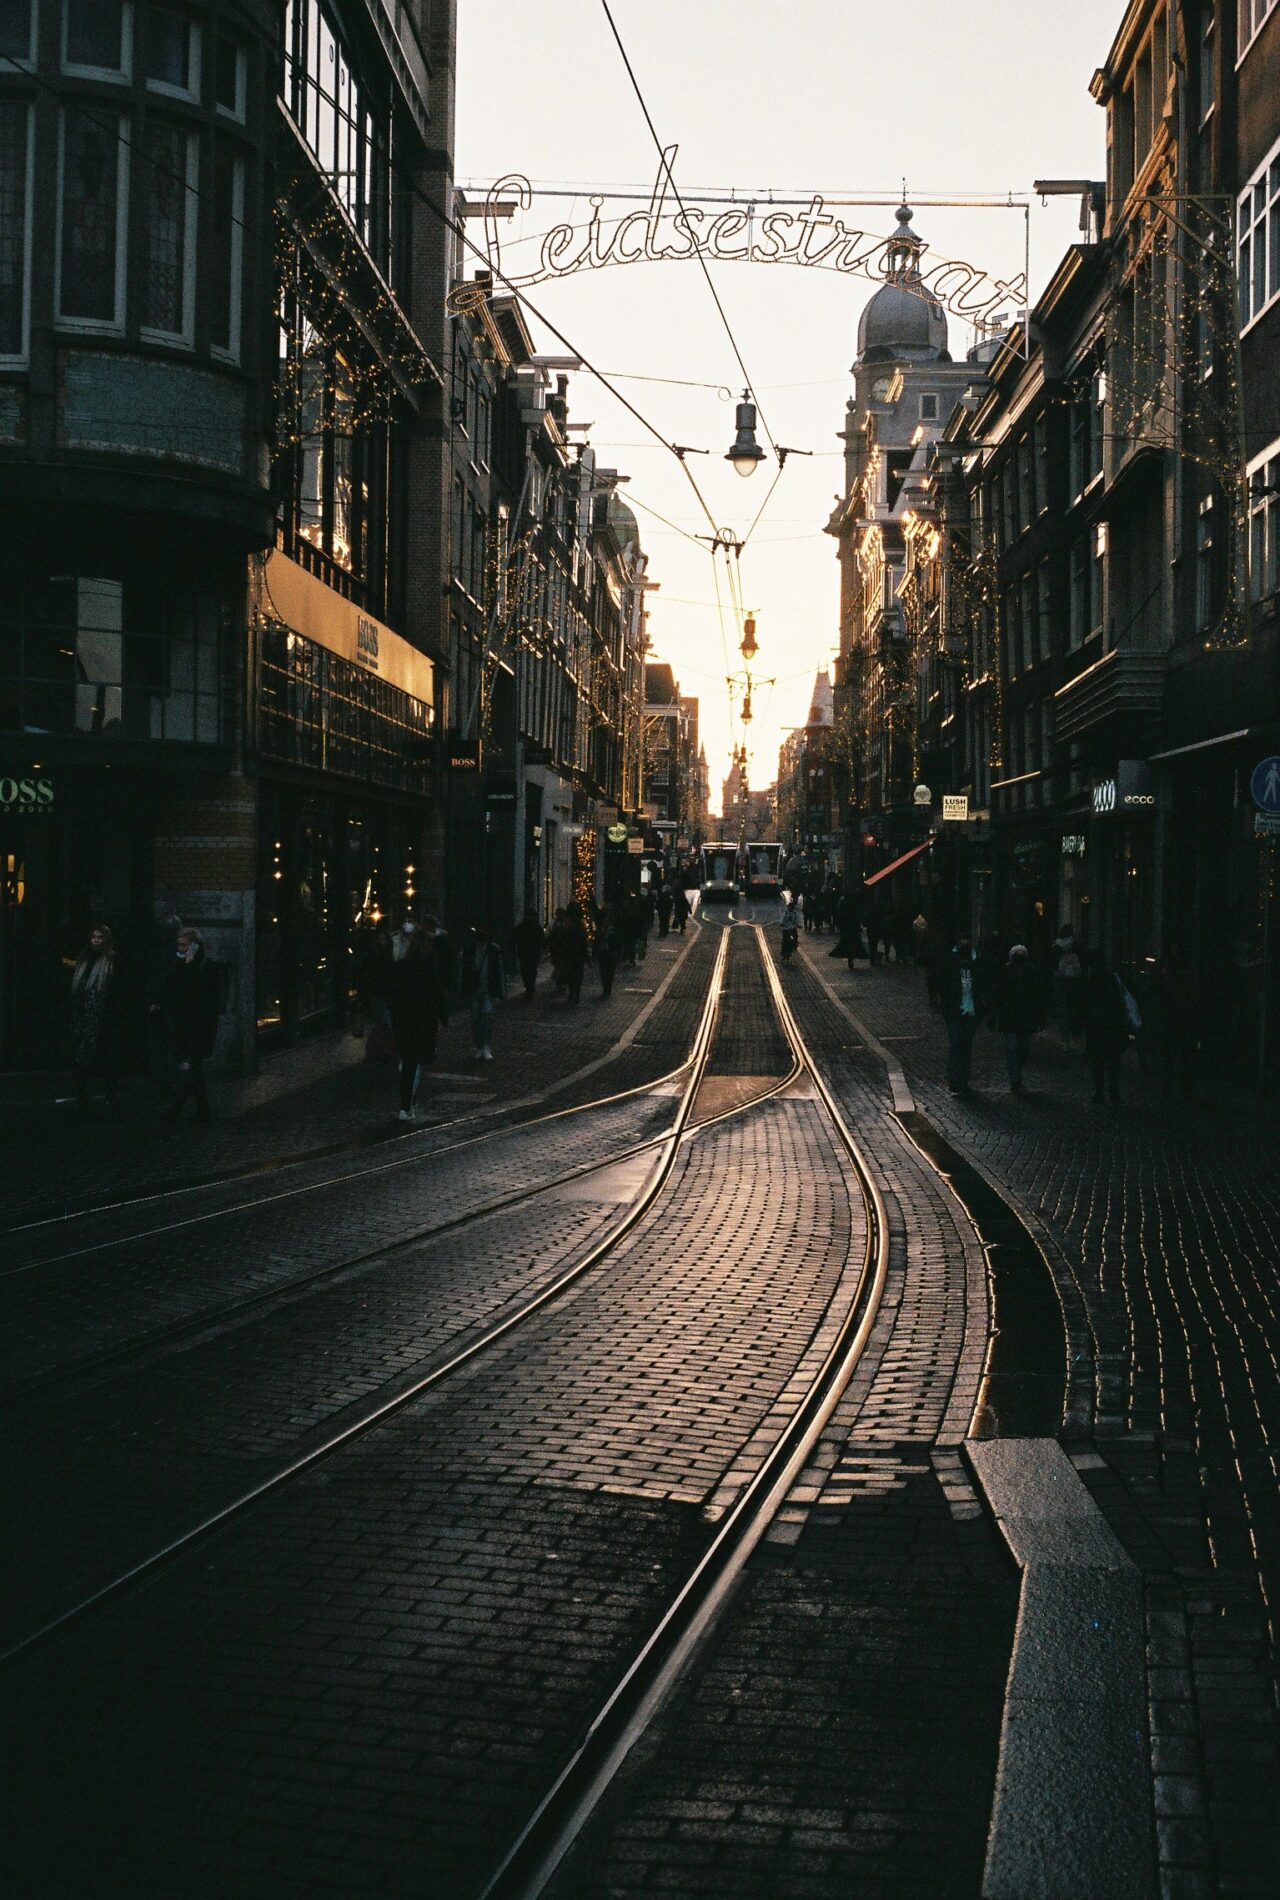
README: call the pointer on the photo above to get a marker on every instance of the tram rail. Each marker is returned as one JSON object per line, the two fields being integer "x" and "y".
{"x": 683, "y": 1624}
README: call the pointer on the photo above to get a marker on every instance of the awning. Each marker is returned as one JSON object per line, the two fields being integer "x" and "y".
{"x": 897, "y": 864}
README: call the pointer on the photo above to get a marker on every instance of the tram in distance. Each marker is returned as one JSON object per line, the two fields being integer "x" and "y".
{"x": 730, "y": 868}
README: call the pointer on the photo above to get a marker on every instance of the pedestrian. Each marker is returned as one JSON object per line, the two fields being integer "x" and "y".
{"x": 1107, "y": 1021}
{"x": 790, "y": 930}
{"x": 577, "y": 950}
{"x": 1018, "y": 1011}
{"x": 680, "y": 908}
{"x": 664, "y": 911}
{"x": 606, "y": 952}
{"x": 556, "y": 937}
{"x": 403, "y": 936}
{"x": 1068, "y": 982}
{"x": 959, "y": 992}
{"x": 417, "y": 1001}
{"x": 646, "y": 910}
{"x": 94, "y": 1028}
{"x": 189, "y": 997}
{"x": 481, "y": 980}
{"x": 530, "y": 940}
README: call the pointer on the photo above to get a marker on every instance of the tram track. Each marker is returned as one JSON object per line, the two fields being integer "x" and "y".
{"x": 679, "y": 1629}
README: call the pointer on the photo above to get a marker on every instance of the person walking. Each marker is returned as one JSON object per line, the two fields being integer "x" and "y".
{"x": 664, "y": 911}
{"x": 417, "y": 1002}
{"x": 530, "y": 940}
{"x": 790, "y": 930}
{"x": 1018, "y": 1011}
{"x": 190, "y": 999}
{"x": 1068, "y": 982}
{"x": 680, "y": 908}
{"x": 959, "y": 996}
{"x": 577, "y": 950}
{"x": 95, "y": 1016}
{"x": 481, "y": 980}
{"x": 1106, "y": 1026}
{"x": 606, "y": 952}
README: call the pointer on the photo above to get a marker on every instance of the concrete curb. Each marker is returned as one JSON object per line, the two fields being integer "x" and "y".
{"x": 1071, "y": 1815}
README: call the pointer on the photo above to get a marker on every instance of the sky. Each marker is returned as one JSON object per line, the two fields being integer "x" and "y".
{"x": 843, "y": 97}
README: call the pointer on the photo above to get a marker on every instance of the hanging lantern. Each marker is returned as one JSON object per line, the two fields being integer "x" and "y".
{"x": 746, "y": 451}
{"x": 746, "y": 707}
{"x": 748, "y": 648}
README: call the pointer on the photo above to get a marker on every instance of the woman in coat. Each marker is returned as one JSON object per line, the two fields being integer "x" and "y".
{"x": 94, "y": 1016}
{"x": 1018, "y": 1011}
{"x": 418, "y": 999}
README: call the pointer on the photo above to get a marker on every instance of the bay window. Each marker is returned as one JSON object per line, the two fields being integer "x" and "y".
{"x": 93, "y": 195}
{"x": 168, "y": 192}
{"x": 15, "y": 226}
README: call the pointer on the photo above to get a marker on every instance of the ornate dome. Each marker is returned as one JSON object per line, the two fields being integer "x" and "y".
{"x": 623, "y": 522}
{"x": 902, "y": 319}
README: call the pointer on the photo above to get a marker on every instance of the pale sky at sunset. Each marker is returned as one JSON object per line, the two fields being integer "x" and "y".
{"x": 842, "y": 97}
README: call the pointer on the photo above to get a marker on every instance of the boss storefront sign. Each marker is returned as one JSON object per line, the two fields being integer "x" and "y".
{"x": 30, "y": 796}
{"x": 1130, "y": 792}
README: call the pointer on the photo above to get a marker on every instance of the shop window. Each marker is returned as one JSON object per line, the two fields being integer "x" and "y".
{"x": 168, "y": 188}
{"x": 1264, "y": 524}
{"x": 15, "y": 227}
{"x": 93, "y": 198}
{"x": 18, "y": 32}
{"x": 97, "y": 38}
{"x": 172, "y": 62}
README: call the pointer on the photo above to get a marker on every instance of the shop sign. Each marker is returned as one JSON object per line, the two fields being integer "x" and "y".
{"x": 500, "y": 795}
{"x": 367, "y": 641}
{"x": 1073, "y": 843}
{"x": 616, "y": 834}
{"x": 574, "y": 830}
{"x": 464, "y": 755}
{"x": 303, "y": 603}
{"x": 1265, "y": 785}
{"x": 636, "y": 847}
{"x": 28, "y": 797}
{"x": 1131, "y": 790}
{"x": 922, "y": 795}
{"x": 1266, "y": 824}
{"x": 955, "y": 808}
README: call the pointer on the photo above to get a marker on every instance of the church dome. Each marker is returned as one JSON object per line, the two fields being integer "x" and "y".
{"x": 903, "y": 319}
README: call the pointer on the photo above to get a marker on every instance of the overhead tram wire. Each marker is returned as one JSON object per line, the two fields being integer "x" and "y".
{"x": 670, "y": 175}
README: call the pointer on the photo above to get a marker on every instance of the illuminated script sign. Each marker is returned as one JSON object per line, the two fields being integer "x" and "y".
{"x": 753, "y": 232}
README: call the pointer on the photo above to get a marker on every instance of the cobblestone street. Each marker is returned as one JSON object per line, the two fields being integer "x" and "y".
{"x": 364, "y": 1502}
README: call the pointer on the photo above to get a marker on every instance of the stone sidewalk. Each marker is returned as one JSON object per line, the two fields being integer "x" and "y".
{"x": 322, "y": 1097}
{"x": 1158, "y": 1220}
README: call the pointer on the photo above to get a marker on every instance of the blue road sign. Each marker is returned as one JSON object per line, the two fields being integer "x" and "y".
{"x": 1265, "y": 784}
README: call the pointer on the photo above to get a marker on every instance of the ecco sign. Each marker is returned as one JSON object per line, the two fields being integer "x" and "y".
{"x": 1131, "y": 790}
{"x": 25, "y": 797}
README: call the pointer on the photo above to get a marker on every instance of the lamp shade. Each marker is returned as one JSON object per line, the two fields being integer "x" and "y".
{"x": 746, "y": 451}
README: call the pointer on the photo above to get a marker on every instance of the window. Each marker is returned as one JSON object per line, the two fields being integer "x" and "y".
{"x": 172, "y": 53}
{"x": 97, "y": 37}
{"x": 1079, "y": 618}
{"x": 1251, "y": 15}
{"x": 1258, "y": 239}
{"x": 225, "y": 252}
{"x": 1040, "y": 444}
{"x": 93, "y": 196}
{"x": 1012, "y": 633}
{"x": 347, "y": 129}
{"x": 168, "y": 189}
{"x": 1264, "y": 524}
{"x": 1044, "y": 622}
{"x": 1097, "y": 578}
{"x": 929, "y": 407}
{"x": 1208, "y": 62}
{"x": 17, "y": 31}
{"x": 1028, "y": 616}
{"x": 1026, "y": 492}
{"x": 230, "y": 74}
{"x": 15, "y": 226}
{"x": 1204, "y": 564}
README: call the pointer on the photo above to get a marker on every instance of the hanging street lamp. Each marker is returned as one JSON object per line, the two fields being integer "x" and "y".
{"x": 749, "y": 649}
{"x": 746, "y": 451}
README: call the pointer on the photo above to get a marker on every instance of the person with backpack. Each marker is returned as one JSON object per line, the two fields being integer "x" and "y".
{"x": 481, "y": 980}
{"x": 960, "y": 981}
